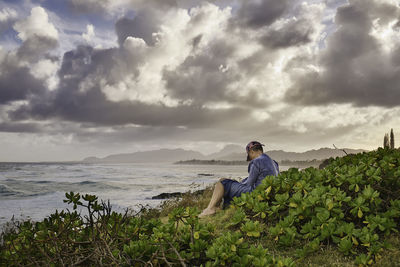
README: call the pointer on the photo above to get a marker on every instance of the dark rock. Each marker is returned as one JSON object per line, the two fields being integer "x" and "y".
{"x": 167, "y": 195}
{"x": 177, "y": 194}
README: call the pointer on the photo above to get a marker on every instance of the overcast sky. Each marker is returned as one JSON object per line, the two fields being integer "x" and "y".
{"x": 96, "y": 77}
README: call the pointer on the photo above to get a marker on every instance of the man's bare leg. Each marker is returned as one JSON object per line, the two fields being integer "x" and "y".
{"x": 215, "y": 201}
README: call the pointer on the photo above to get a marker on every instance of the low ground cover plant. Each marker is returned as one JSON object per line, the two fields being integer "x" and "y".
{"x": 353, "y": 203}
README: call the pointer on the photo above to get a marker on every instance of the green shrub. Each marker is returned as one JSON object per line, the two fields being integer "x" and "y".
{"x": 354, "y": 203}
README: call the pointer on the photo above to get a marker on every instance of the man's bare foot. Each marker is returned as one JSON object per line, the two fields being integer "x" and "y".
{"x": 207, "y": 212}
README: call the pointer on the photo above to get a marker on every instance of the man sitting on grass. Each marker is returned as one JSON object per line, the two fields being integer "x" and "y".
{"x": 260, "y": 166}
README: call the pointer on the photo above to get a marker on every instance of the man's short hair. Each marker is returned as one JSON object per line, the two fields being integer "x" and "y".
{"x": 257, "y": 148}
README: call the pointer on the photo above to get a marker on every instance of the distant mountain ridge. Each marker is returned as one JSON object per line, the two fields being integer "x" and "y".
{"x": 227, "y": 150}
{"x": 162, "y": 155}
{"x": 228, "y": 153}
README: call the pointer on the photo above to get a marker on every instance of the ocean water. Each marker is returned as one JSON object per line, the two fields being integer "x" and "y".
{"x": 35, "y": 190}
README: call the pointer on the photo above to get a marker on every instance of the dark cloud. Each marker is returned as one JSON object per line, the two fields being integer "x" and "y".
{"x": 35, "y": 47}
{"x": 256, "y": 14}
{"x": 87, "y": 6}
{"x": 104, "y": 6}
{"x": 270, "y": 131}
{"x": 275, "y": 24}
{"x": 385, "y": 12}
{"x": 143, "y": 25}
{"x": 125, "y": 134}
{"x": 70, "y": 102}
{"x": 397, "y": 25}
{"x": 254, "y": 64}
{"x": 294, "y": 33}
{"x": 205, "y": 77}
{"x": 335, "y": 3}
{"x": 147, "y": 20}
{"x": 6, "y": 25}
{"x": 85, "y": 62}
{"x": 151, "y": 135}
{"x": 94, "y": 107}
{"x": 12, "y": 127}
{"x": 354, "y": 67}
{"x": 396, "y": 56}
{"x": 161, "y": 3}
{"x": 17, "y": 83}
{"x": 199, "y": 78}
{"x": 197, "y": 40}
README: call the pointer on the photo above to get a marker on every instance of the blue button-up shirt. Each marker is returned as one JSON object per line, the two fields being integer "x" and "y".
{"x": 258, "y": 169}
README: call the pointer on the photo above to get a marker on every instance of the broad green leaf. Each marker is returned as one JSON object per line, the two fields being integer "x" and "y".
{"x": 359, "y": 213}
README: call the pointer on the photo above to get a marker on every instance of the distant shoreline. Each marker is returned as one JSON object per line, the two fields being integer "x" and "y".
{"x": 211, "y": 162}
{"x": 296, "y": 163}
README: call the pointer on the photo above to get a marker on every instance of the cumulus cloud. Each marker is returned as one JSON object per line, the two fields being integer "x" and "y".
{"x": 37, "y": 24}
{"x": 7, "y": 14}
{"x": 297, "y": 30}
{"x": 38, "y": 35}
{"x": 80, "y": 98}
{"x": 46, "y": 70}
{"x": 22, "y": 76}
{"x": 359, "y": 65}
{"x": 208, "y": 73}
{"x": 204, "y": 71}
{"x": 89, "y": 34}
{"x": 7, "y": 17}
{"x": 169, "y": 69}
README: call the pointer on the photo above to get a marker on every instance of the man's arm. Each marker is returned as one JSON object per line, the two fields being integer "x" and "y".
{"x": 244, "y": 180}
{"x": 253, "y": 175}
{"x": 276, "y": 167}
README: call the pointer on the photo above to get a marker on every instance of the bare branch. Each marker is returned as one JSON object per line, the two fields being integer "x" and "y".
{"x": 177, "y": 254}
{"x": 340, "y": 149}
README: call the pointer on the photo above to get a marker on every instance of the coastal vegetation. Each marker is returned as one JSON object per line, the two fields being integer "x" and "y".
{"x": 344, "y": 214}
{"x": 388, "y": 142}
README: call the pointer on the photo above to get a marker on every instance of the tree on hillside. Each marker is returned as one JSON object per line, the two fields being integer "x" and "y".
{"x": 386, "y": 141}
{"x": 391, "y": 139}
